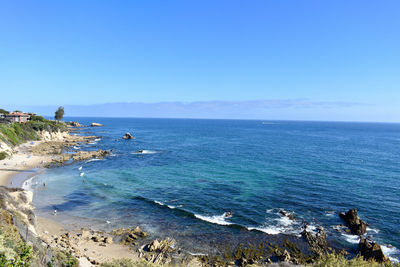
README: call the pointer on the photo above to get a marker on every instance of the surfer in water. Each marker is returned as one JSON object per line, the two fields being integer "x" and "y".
{"x": 228, "y": 214}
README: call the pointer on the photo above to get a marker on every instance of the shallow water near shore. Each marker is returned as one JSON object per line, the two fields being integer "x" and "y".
{"x": 193, "y": 171}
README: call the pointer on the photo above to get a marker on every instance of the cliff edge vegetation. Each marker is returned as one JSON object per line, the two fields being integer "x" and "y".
{"x": 15, "y": 134}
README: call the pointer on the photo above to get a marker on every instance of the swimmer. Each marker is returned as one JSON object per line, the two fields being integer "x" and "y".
{"x": 229, "y": 214}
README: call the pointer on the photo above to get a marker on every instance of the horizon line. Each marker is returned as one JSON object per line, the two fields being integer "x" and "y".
{"x": 231, "y": 119}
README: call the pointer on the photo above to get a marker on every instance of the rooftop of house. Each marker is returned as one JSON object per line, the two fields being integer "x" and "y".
{"x": 22, "y": 114}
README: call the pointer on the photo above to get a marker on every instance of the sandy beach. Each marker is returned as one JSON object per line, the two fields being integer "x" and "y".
{"x": 22, "y": 163}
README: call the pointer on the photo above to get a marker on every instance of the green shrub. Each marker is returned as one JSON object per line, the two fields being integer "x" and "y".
{"x": 335, "y": 260}
{"x": 37, "y": 118}
{"x": 3, "y": 155}
{"x": 17, "y": 133}
{"x": 64, "y": 259}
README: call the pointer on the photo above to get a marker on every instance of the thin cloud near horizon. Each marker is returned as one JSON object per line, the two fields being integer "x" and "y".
{"x": 272, "y": 109}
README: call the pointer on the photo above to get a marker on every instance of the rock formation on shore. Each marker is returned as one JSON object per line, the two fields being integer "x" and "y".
{"x": 370, "y": 250}
{"x": 356, "y": 225}
{"x": 317, "y": 242}
{"x": 95, "y": 124}
{"x": 74, "y": 124}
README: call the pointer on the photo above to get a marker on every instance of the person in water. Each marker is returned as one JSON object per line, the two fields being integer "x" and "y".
{"x": 229, "y": 214}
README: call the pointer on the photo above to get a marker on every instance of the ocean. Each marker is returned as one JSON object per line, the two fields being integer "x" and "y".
{"x": 192, "y": 171}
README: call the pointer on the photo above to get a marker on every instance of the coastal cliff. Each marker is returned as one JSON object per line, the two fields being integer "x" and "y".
{"x": 19, "y": 243}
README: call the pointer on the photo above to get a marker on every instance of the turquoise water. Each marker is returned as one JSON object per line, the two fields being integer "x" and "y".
{"x": 193, "y": 171}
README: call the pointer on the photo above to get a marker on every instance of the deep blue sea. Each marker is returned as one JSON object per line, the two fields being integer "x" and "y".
{"x": 193, "y": 171}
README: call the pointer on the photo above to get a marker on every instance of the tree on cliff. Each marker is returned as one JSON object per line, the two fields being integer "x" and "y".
{"x": 3, "y": 111}
{"x": 59, "y": 113}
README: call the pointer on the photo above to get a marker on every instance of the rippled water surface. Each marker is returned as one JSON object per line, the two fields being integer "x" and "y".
{"x": 193, "y": 171}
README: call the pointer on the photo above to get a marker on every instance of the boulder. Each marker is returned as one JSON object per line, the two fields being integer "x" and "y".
{"x": 128, "y": 136}
{"x": 163, "y": 246}
{"x": 153, "y": 246}
{"x": 285, "y": 214}
{"x": 95, "y": 124}
{"x": 108, "y": 240}
{"x": 371, "y": 251}
{"x": 74, "y": 124}
{"x": 356, "y": 225}
{"x": 317, "y": 242}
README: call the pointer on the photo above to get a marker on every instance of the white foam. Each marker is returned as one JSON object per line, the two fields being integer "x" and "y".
{"x": 76, "y": 147}
{"x": 97, "y": 139}
{"x": 283, "y": 225}
{"x": 285, "y": 221}
{"x": 145, "y": 152}
{"x": 27, "y": 185}
{"x": 159, "y": 203}
{"x": 271, "y": 230}
{"x": 197, "y": 254}
{"x": 390, "y": 251}
{"x": 311, "y": 228}
{"x": 81, "y": 174}
{"x": 330, "y": 213}
{"x": 372, "y": 230}
{"x": 354, "y": 239}
{"x": 216, "y": 219}
{"x": 90, "y": 160}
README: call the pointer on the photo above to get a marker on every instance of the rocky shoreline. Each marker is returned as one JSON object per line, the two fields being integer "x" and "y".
{"x": 90, "y": 247}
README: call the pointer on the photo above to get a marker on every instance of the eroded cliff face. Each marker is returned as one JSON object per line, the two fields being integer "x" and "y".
{"x": 19, "y": 241}
{"x": 7, "y": 147}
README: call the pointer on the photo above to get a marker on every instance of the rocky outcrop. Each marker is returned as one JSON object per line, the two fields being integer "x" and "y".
{"x": 371, "y": 251}
{"x": 158, "y": 251}
{"x": 317, "y": 242}
{"x": 95, "y": 124}
{"x": 84, "y": 155}
{"x": 129, "y": 236}
{"x": 355, "y": 224}
{"x": 74, "y": 124}
{"x": 55, "y": 143}
{"x": 128, "y": 136}
{"x": 78, "y": 156}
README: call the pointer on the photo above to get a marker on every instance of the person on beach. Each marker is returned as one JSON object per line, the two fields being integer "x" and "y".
{"x": 44, "y": 184}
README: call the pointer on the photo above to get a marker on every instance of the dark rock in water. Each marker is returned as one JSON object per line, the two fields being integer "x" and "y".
{"x": 356, "y": 225}
{"x": 128, "y": 136}
{"x": 285, "y": 214}
{"x": 371, "y": 251}
{"x": 317, "y": 242}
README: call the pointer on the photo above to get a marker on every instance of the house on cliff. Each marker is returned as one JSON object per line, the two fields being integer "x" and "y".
{"x": 16, "y": 116}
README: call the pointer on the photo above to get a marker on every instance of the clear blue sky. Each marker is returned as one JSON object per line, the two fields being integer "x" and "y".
{"x": 92, "y": 52}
